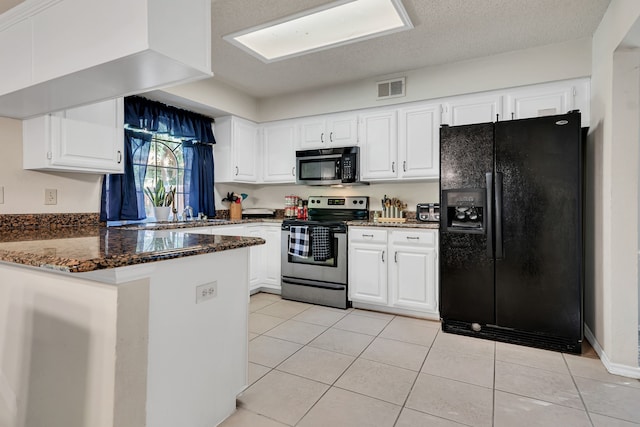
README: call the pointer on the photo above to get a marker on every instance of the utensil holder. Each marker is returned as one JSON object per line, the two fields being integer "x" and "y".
{"x": 235, "y": 211}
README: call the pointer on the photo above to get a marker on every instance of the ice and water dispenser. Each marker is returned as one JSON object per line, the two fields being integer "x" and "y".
{"x": 463, "y": 210}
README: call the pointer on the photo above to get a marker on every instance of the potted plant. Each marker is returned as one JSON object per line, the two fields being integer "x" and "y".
{"x": 161, "y": 200}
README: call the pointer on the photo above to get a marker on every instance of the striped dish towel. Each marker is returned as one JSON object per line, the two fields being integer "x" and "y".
{"x": 321, "y": 244}
{"x": 299, "y": 240}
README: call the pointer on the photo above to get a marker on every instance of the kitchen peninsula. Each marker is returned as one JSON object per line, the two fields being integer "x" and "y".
{"x": 121, "y": 327}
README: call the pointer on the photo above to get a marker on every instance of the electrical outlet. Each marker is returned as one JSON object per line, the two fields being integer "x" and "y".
{"x": 206, "y": 292}
{"x": 50, "y": 196}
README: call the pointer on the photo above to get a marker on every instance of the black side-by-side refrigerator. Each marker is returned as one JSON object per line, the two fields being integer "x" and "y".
{"x": 511, "y": 231}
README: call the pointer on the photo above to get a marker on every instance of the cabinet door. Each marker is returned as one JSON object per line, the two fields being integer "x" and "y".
{"x": 413, "y": 270}
{"x": 418, "y": 141}
{"x": 343, "y": 130}
{"x": 279, "y": 152}
{"x": 90, "y": 137}
{"x": 379, "y": 141}
{"x": 538, "y": 101}
{"x": 313, "y": 133}
{"x": 272, "y": 276}
{"x": 15, "y": 49}
{"x": 245, "y": 147}
{"x": 368, "y": 273}
{"x": 466, "y": 110}
{"x": 256, "y": 258}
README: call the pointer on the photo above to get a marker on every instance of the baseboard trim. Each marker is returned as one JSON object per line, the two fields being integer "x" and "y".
{"x": 613, "y": 368}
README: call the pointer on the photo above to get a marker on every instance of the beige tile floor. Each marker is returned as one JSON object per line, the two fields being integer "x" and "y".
{"x": 312, "y": 366}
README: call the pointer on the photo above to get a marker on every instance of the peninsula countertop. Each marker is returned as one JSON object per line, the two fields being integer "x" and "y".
{"x": 79, "y": 249}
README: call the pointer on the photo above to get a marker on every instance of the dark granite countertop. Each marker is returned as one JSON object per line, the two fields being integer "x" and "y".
{"x": 78, "y": 249}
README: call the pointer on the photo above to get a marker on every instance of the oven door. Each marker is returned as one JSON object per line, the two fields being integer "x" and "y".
{"x": 333, "y": 270}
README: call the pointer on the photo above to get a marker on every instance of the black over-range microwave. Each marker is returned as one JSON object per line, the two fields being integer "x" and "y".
{"x": 328, "y": 166}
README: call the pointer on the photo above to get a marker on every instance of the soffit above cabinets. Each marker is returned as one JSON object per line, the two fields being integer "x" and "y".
{"x": 58, "y": 54}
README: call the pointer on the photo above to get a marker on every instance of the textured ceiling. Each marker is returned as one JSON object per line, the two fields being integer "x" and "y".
{"x": 445, "y": 31}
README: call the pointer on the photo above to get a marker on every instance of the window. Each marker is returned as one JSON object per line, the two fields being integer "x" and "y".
{"x": 165, "y": 163}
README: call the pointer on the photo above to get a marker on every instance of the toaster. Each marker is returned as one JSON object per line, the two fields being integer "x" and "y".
{"x": 428, "y": 212}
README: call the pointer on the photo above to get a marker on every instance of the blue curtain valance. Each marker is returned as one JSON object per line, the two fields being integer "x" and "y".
{"x": 154, "y": 116}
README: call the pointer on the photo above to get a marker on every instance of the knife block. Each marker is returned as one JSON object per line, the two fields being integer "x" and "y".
{"x": 235, "y": 211}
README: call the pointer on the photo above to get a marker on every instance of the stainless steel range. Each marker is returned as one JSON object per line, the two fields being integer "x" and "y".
{"x": 314, "y": 252}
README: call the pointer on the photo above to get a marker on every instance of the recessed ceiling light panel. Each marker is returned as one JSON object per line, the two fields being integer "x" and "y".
{"x": 332, "y": 25}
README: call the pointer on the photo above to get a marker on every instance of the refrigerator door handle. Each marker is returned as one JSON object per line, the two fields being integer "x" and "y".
{"x": 499, "y": 248}
{"x": 489, "y": 215}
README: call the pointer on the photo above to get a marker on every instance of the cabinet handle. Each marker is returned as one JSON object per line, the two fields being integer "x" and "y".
{"x": 368, "y": 235}
{"x": 383, "y": 256}
{"x": 322, "y": 137}
{"x": 119, "y": 156}
{"x": 237, "y": 171}
{"x": 293, "y": 171}
{"x": 393, "y": 166}
{"x": 395, "y": 257}
{"x": 331, "y": 137}
{"x": 413, "y": 238}
{"x": 404, "y": 165}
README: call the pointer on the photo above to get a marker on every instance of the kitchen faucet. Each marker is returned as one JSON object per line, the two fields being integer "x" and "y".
{"x": 187, "y": 213}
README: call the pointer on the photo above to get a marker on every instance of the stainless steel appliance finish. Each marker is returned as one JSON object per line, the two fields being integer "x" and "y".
{"x": 322, "y": 282}
{"x": 428, "y": 212}
{"x": 330, "y": 166}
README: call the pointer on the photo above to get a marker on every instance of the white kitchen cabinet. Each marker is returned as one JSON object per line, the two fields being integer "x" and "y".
{"x": 548, "y": 99}
{"x": 271, "y": 277}
{"x": 368, "y": 265}
{"x": 236, "y": 150}
{"x": 84, "y": 139}
{"x": 419, "y": 141}
{"x": 394, "y": 270}
{"x": 334, "y": 130}
{"x": 413, "y": 270}
{"x": 279, "y": 148}
{"x": 379, "y": 142}
{"x": 468, "y": 109}
{"x": 66, "y": 53}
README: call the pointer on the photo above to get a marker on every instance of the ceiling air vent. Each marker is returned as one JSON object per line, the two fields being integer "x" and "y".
{"x": 391, "y": 88}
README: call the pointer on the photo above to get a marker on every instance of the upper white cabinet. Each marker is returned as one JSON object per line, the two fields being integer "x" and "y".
{"x": 468, "y": 109}
{"x": 83, "y": 139}
{"x": 419, "y": 141}
{"x": 279, "y": 145}
{"x": 379, "y": 141}
{"x": 548, "y": 99}
{"x": 66, "y": 53}
{"x": 335, "y": 130}
{"x": 236, "y": 150}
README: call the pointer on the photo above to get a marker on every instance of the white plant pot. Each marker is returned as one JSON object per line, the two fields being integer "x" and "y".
{"x": 161, "y": 213}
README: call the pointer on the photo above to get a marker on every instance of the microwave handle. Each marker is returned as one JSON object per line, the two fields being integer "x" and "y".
{"x": 339, "y": 168}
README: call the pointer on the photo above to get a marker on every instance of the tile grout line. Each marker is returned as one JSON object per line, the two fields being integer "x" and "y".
{"x": 343, "y": 372}
{"x": 575, "y": 384}
{"x": 493, "y": 406}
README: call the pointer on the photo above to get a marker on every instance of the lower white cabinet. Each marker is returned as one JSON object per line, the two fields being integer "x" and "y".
{"x": 84, "y": 139}
{"x": 264, "y": 260}
{"x": 394, "y": 269}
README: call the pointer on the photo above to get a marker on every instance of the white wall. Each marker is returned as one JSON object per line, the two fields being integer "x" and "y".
{"x": 272, "y": 196}
{"x": 537, "y": 65}
{"x": 611, "y": 275}
{"x": 24, "y": 190}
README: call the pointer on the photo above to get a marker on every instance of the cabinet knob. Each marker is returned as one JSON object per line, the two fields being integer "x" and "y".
{"x": 383, "y": 256}
{"x": 237, "y": 171}
{"x": 404, "y": 166}
{"x": 293, "y": 171}
{"x": 331, "y": 137}
{"x": 368, "y": 235}
{"x": 119, "y": 156}
{"x": 322, "y": 137}
{"x": 393, "y": 166}
{"x": 413, "y": 238}
{"x": 395, "y": 257}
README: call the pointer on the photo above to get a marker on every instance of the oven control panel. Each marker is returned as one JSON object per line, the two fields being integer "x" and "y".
{"x": 329, "y": 202}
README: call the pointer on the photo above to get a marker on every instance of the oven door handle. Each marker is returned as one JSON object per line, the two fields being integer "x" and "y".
{"x": 315, "y": 284}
